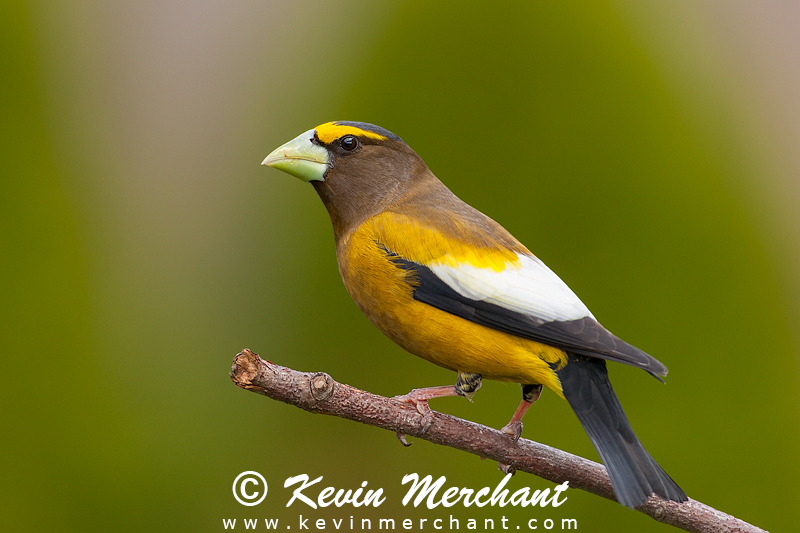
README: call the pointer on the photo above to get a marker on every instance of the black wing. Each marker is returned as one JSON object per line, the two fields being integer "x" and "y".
{"x": 583, "y": 336}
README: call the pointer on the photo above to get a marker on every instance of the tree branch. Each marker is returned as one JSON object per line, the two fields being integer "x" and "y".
{"x": 319, "y": 393}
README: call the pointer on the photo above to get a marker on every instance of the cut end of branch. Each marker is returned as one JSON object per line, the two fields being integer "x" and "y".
{"x": 245, "y": 369}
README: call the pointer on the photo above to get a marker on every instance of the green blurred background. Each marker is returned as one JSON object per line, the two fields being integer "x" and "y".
{"x": 647, "y": 151}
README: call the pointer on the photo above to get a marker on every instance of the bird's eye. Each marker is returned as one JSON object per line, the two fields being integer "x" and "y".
{"x": 349, "y": 143}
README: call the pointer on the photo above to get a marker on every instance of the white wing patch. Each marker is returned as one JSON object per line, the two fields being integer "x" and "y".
{"x": 529, "y": 287}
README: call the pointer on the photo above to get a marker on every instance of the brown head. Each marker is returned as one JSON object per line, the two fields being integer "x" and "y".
{"x": 360, "y": 170}
{"x": 357, "y": 169}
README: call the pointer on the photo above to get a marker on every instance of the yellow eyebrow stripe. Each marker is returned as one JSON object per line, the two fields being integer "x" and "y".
{"x": 330, "y": 131}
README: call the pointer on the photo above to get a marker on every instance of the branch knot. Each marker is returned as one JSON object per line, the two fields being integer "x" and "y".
{"x": 322, "y": 386}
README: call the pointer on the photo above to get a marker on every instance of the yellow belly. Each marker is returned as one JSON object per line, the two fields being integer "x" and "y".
{"x": 384, "y": 293}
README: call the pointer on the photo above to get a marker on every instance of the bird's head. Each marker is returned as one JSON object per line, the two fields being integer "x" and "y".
{"x": 356, "y": 168}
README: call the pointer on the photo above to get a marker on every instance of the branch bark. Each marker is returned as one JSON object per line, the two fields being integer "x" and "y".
{"x": 319, "y": 393}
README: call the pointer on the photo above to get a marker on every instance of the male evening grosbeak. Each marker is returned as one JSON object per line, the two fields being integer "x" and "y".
{"x": 450, "y": 285}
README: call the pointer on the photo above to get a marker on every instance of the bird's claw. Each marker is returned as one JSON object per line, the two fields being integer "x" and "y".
{"x": 425, "y": 423}
{"x": 513, "y": 429}
{"x": 422, "y": 408}
{"x": 506, "y": 469}
{"x": 420, "y": 403}
{"x": 402, "y": 438}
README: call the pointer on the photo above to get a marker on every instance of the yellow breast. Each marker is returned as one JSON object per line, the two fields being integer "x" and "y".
{"x": 384, "y": 292}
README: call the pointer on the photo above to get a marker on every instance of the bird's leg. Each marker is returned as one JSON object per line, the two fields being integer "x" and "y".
{"x": 420, "y": 397}
{"x": 466, "y": 385}
{"x": 530, "y": 393}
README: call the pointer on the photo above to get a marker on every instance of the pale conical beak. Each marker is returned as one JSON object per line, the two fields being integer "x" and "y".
{"x": 300, "y": 158}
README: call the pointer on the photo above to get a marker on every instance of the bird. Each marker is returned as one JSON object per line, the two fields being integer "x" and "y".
{"x": 452, "y": 286}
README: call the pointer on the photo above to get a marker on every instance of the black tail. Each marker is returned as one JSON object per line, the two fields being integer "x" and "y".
{"x": 634, "y": 474}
